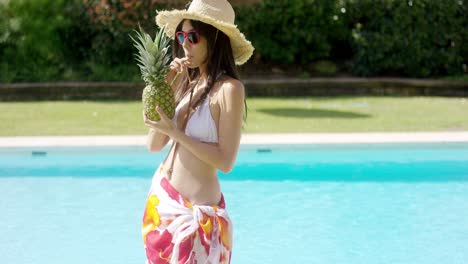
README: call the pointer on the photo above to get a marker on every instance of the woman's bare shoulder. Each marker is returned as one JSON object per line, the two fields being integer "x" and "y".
{"x": 232, "y": 83}
{"x": 229, "y": 86}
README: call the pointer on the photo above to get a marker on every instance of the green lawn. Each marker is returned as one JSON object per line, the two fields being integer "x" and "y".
{"x": 266, "y": 115}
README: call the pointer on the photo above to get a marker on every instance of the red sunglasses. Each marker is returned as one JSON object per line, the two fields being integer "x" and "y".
{"x": 192, "y": 37}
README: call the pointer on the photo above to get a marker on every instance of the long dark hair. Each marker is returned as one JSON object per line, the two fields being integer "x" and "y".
{"x": 220, "y": 59}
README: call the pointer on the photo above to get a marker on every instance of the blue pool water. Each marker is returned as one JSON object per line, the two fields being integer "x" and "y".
{"x": 358, "y": 203}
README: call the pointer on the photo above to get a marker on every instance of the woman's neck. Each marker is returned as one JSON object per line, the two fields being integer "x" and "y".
{"x": 203, "y": 75}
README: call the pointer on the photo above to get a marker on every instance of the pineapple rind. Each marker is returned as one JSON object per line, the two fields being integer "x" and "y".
{"x": 153, "y": 58}
{"x": 158, "y": 94}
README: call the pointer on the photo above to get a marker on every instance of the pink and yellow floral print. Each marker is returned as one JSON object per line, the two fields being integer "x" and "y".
{"x": 175, "y": 231}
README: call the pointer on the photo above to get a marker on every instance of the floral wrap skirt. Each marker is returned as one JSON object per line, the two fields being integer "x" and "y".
{"x": 175, "y": 231}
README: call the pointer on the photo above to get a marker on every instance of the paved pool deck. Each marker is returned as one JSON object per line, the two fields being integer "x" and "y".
{"x": 309, "y": 138}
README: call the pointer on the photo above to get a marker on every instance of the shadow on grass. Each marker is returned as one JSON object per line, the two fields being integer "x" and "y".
{"x": 310, "y": 113}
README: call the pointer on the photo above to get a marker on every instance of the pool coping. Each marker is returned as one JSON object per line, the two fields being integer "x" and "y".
{"x": 247, "y": 139}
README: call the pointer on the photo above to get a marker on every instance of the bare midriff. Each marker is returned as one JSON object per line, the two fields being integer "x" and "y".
{"x": 193, "y": 178}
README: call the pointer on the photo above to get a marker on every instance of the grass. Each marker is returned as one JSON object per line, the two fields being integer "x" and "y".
{"x": 358, "y": 114}
{"x": 266, "y": 115}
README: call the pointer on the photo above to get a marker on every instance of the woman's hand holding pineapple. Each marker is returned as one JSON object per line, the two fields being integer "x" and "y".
{"x": 164, "y": 125}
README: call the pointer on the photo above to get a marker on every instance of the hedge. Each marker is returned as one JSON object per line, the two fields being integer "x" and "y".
{"x": 413, "y": 38}
{"x": 83, "y": 40}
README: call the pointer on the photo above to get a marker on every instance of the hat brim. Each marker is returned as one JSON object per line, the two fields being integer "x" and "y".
{"x": 242, "y": 49}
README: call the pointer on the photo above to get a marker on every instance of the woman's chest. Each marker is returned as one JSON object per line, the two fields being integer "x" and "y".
{"x": 207, "y": 110}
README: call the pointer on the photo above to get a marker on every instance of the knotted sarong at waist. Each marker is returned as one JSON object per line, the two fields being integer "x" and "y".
{"x": 175, "y": 231}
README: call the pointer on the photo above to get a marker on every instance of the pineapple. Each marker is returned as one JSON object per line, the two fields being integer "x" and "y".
{"x": 154, "y": 57}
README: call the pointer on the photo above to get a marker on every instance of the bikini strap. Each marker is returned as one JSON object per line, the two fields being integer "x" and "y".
{"x": 174, "y": 143}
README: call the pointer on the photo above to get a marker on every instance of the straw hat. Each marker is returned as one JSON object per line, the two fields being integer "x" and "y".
{"x": 218, "y": 13}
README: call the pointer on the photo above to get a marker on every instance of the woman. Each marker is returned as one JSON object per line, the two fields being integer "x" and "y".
{"x": 185, "y": 220}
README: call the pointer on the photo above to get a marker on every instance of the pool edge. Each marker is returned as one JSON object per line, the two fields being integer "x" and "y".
{"x": 247, "y": 139}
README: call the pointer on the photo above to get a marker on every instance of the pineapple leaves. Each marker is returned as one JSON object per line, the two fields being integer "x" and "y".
{"x": 153, "y": 56}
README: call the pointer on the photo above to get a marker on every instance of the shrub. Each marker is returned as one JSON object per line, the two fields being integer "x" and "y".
{"x": 99, "y": 39}
{"x": 29, "y": 46}
{"x": 411, "y": 38}
{"x": 111, "y": 22}
{"x": 326, "y": 68}
{"x": 291, "y": 31}
{"x": 46, "y": 40}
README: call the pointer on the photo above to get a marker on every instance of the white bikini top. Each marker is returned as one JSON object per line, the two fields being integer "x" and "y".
{"x": 201, "y": 124}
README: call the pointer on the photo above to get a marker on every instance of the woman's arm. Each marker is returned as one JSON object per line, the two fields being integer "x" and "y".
{"x": 222, "y": 156}
{"x": 156, "y": 140}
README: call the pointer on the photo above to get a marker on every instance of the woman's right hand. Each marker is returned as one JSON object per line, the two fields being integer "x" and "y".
{"x": 178, "y": 65}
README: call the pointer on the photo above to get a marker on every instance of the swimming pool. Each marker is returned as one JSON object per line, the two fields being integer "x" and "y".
{"x": 353, "y": 203}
